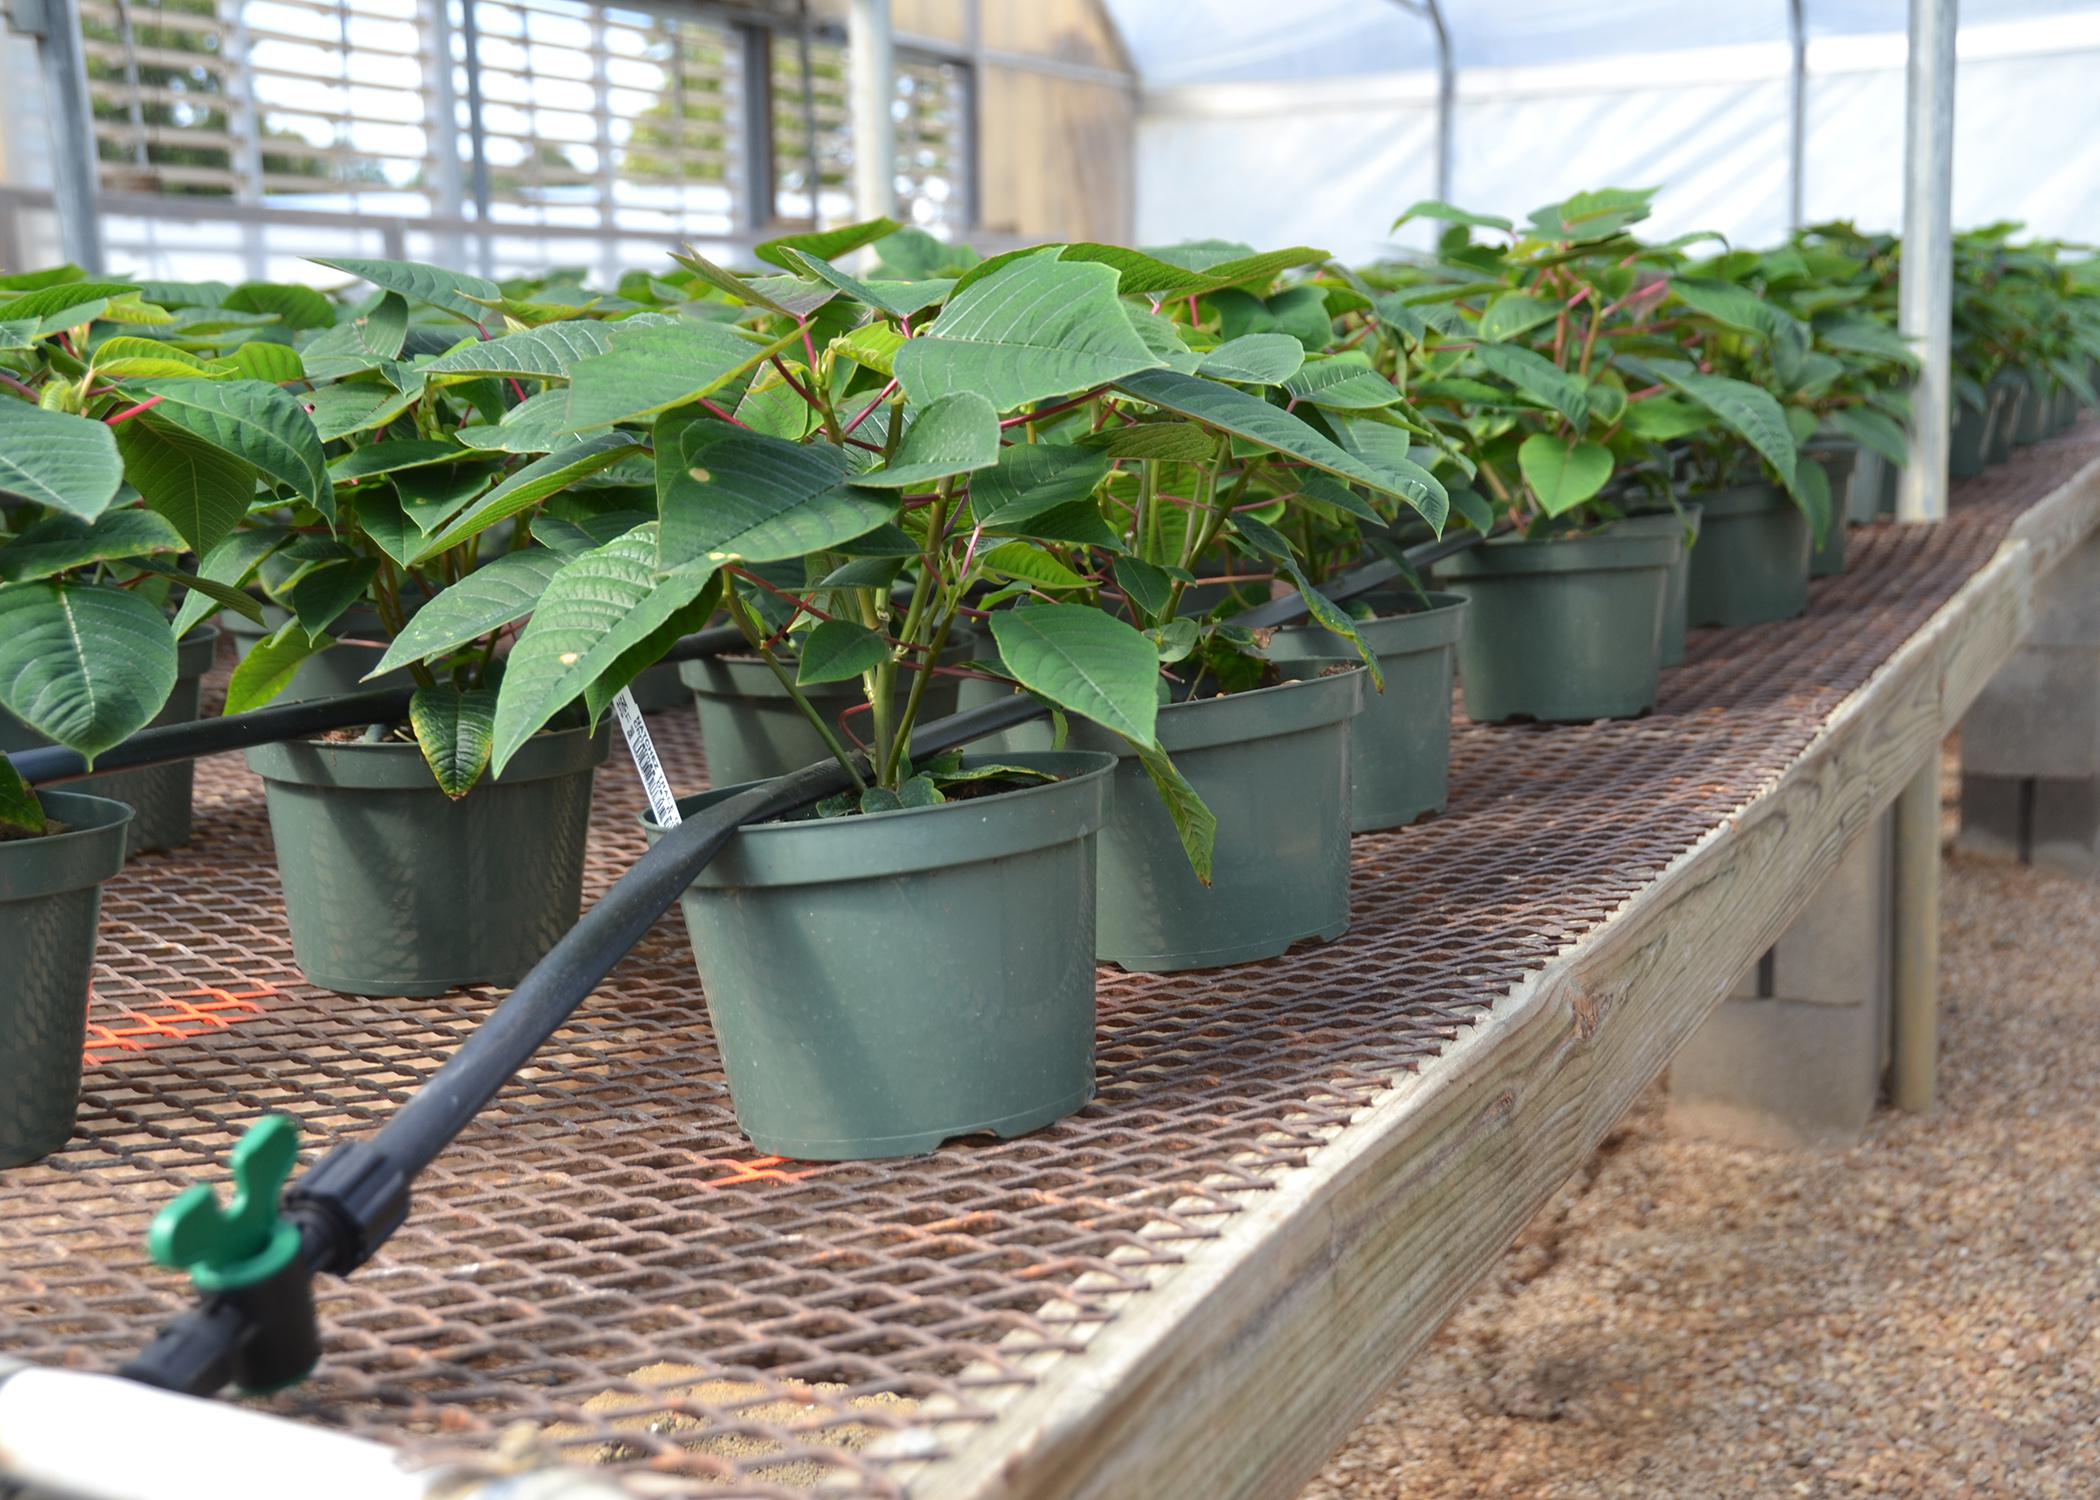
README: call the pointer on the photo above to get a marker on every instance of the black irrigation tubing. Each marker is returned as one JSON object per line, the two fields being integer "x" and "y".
{"x": 354, "y": 1199}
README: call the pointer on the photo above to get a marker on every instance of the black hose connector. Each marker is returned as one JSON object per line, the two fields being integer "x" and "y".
{"x": 347, "y": 1206}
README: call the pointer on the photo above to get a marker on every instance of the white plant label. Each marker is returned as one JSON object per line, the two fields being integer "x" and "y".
{"x": 655, "y": 784}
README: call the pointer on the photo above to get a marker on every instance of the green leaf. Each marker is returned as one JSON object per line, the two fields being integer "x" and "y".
{"x": 294, "y": 306}
{"x": 1726, "y": 303}
{"x": 1873, "y": 429}
{"x": 597, "y": 605}
{"x": 727, "y": 494}
{"x": 224, "y": 595}
{"x": 1030, "y": 565}
{"x": 1256, "y": 420}
{"x": 128, "y": 358}
{"x": 1195, "y": 823}
{"x": 1345, "y": 382}
{"x": 1863, "y": 335}
{"x": 1663, "y": 418}
{"x": 52, "y": 458}
{"x": 1031, "y": 478}
{"x": 957, "y": 434}
{"x": 919, "y": 791}
{"x": 269, "y": 667}
{"x": 531, "y": 484}
{"x": 825, "y": 244}
{"x": 652, "y": 369}
{"x": 321, "y": 595}
{"x": 19, "y": 807}
{"x": 258, "y": 359}
{"x": 231, "y": 564}
{"x": 1255, "y": 359}
{"x": 360, "y": 343}
{"x": 390, "y": 455}
{"x": 260, "y": 423}
{"x": 486, "y": 599}
{"x": 59, "y": 542}
{"x": 1749, "y": 412}
{"x": 1148, "y": 587}
{"x": 837, "y": 650}
{"x": 1811, "y": 491}
{"x": 545, "y": 353}
{"x": 340, "y": 410}
{"x": 1444, "y": 213}
{"x": 1084, "y": 661}
{"x": 67, "y": 298}
{"x": 456, "y": 729}
{"x": 1539, "y": 378}
{"x": 1160, "y": 442}
{"x": 1036, "y": 329}
{"x": 1563, "y": 473}
{"x": 900, "y": 299}
{"x": 449, "y": 291}
{"x": 85, "y": 665}
{"x": 1160, "y": 273}
{"x": 1513, "y": 313}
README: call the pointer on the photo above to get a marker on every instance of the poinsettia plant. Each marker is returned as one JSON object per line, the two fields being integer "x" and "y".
{"x": 105, "y": 487}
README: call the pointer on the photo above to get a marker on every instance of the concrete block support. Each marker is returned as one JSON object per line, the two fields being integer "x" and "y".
{"x": 2030, "y": 744}
{"x": 1797, "y": 1053}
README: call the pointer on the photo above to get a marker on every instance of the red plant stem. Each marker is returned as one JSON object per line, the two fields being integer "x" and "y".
{"x": 802, "y": 605}
{"x": 809, "y": 346}
{"x": 807, "y": 399}
{"x": 869, "y": 410}
{"x": 10, "y": 381}
{"x": 517, "y": 388}
{"x": 1050, "y": 411}
{"x": 1192, "y": 309}
{"x": 129, "y": 412}
{"x": 714, "y": 410}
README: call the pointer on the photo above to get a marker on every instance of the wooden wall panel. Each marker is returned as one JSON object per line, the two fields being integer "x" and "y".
{"x": 1054, "y": 156}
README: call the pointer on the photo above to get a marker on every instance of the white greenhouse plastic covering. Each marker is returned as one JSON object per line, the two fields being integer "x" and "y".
{"x": 1317, "y": 120}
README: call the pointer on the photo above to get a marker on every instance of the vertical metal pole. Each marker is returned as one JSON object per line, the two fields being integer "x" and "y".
{"x": 813, "y": 163}
{"x": 477, "y": 137}
{"x": 71, "y": 118}
{"x": 970, "y": 213}
{"x": 1446, "y": 98}
{"x": 1797, "y": 114}
{"x": 1925, "y": 299}
{"x": 448, "y": 198}
{"x": 871, "y": 61}
{"x": 755, "y": 139}
{"x": 1916, "y": 976}
{"x": 245, "y": 122}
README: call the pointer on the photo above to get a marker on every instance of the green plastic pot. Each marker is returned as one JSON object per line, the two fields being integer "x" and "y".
{"x": 1891, "y": 481}
{"x": 158, "y": 796}
{"x": 1272, "y": 765}
{"x": 659, "y": 689}
{"x": 1863, "y": 495}
{"x": 2063, "y": 413}
{"x": 2034, "y": 409}
{"x": 1968, "y": 443}
{"x": 329, "y": 673}
{"x": 1562, "y": 630}
{"x": 1751, "y": 564}
{"x": 393, "y": 888}
{"x": 50, "y": 899}
{"x": 752, "y": 730}
{"x": 2008, "y": 394}
{"x": 1837, "y": 459}
{"x": 1400, "y": 746}
{"x": 1682, "y": 524}
{"x": 883, "y": 983}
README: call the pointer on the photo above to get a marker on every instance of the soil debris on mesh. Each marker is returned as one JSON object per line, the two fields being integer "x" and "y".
{"x": 1916, "y": 1315}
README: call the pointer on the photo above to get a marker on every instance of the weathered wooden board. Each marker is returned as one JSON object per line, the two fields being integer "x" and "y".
{"x": 1237, "y": 1374}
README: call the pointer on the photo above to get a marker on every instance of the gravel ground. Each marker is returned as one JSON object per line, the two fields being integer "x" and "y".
{"x": 1918, "y": 1315}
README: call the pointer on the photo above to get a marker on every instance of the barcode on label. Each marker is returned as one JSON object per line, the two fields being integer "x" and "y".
{"x": 655, "y": 785}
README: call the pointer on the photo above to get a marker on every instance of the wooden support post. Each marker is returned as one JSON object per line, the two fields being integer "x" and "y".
{"x": 1915, "y": 1053}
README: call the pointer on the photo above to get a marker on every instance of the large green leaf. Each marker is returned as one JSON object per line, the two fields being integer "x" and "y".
{"x": 351, "y": 407}
{"x": 548, "y": 352}
{"x": 900, "y": 299}
{"x": 456, "y": 729}
{"x": 1194, "y": 822}
{"x": 323, "y": 594}
{"x": 259, "y": 423}
{"x": 652, "y": 369}
{"x": 1084, "y": 661}
{"x": 450, "y": 291}
{"x": 391, "y": 455}
{"x": 57, "y": 301}
{"x": 1811, "y": 491}
{"x": 1030, "y": 565}
{"x": 59, "y": 542}
{"x": 1562, "y": 472}
{"x": 49, "y": 457}
{"x": 1254, "y": 359}
{"x": 1342, "y": 382}
{"x": 1170, "y": 272}
{"x": 535, "y": 482}
{"x": 738, "y": 495}
{"x": 1252, "y": 418}
{"x": 269, "y": 667}
{"x": 231, "y": 564}
{"x": 955, "y": 435}
{"x": 1444, "y": 213}
{"x": 1512, "y": 313}
{"x": 1857, "y": 334}
{"x": 1749, "y": 412}
{"x": 486, "y": 599}
{"x": 1036, "y": 329}
{"x": 1539, "y": 378}
{"x": 1875, "y": 430}
{"x": 1032, "y": 478}
{"x": 360, "y": 343}
{"x": 86, "y": 665}
{"x": 126, "y": 358}
{"x": 597, "y": 605}
{"x": 836, "y": 650}
{"x": 294, "y": 306}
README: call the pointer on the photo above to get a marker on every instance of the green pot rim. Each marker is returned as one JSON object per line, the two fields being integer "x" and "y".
{"x": 1738, "y": 501}
{"x": 1663, "y": 522}
{"x": 823, "y": 851}
{"x": 90, "y": 851}
{"x": 399, "y": 765}
{"x": 195, "y": 652}
{"x": 1598, "y": 552}
{"x": 750, "y": 677}
{"x": 1407, "y": 632}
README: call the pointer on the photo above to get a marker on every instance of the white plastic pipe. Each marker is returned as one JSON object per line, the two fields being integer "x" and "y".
{"x": 1925, "y": 299}
{"x": 871, "y": 81}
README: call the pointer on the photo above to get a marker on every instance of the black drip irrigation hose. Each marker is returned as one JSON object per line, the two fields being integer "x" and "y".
{"x": 265, "y": 1335}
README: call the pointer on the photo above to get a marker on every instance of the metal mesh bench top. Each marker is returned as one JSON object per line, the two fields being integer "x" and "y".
{"x": 604, "y": 1272}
